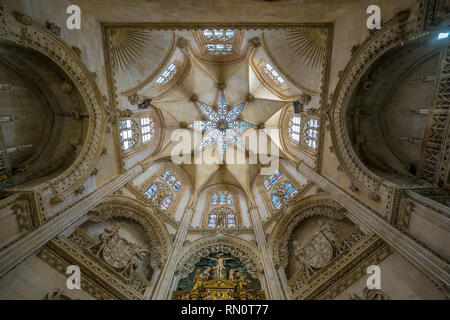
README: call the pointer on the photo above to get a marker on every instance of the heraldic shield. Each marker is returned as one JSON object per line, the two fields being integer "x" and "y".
{"x": 318, "y": 251}
{"x": 118, "y": 252}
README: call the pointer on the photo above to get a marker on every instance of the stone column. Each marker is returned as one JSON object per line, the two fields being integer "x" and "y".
{"x": 164, "y": 285}
{"x": 75, "y": 215}
{"x": 274, "y": 289}
{"x": 150, "y": 289}
{"x": 366, "y": 218}
{"x": 284, "y": 282}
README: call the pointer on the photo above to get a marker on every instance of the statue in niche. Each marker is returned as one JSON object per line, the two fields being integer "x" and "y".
{"x": 219, "y": 267}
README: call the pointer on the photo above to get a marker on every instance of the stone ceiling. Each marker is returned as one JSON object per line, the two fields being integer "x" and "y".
{"x": 150, "y": 51}
{"x": 306, "y": 11}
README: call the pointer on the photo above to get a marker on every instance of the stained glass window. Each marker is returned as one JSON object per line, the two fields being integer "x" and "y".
{"x": 290, "y": 188}
{"x": 228, "y": 215}
{"x": 150, "y": 192}
{"x": 166, "y": 203}
{"x": 272, "y": 73}
{"x": 177, "y": 185}
{"x": 165, "y": 175}
{"x": 212, "y": 220}
{"x": 285, "y": 194}
{"x": 272, "y": 179}
{"x": 230, "y": 199}
{"x": 231, "y": 223}
{"x": 222, "y": 199}
{"x": 171, "y": 180}
{"x": 214, "y": 199}
{"x": 167, "y": 74}
{"x": 126, "y": 134}
{"x": 147, "y": 129}
{"x": 276, "y": 201}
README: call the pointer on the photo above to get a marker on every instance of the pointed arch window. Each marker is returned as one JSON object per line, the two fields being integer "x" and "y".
{"x": 222, "y": 209}
{"x": 212, "y": 220}
{"x": 231, "y": 220}
{"x": 166, "y": 203}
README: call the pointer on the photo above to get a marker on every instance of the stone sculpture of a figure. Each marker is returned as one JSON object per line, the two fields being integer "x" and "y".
{"x": 220, "y": 265}
{"x": 105, "y": 237}
{"x": 331, "y": 236}
{"x": 133, "y": 264}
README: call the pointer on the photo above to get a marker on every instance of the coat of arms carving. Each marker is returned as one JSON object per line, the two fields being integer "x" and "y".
{"x": 118, "y": 252}
{"x": 317, "y": 252}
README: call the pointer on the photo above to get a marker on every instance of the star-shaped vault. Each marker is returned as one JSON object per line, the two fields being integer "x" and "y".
{"x": 222, "y": 125}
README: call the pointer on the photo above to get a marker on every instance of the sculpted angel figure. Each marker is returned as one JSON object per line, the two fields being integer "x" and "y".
{"x": 108, "y": 234}
{"x": 231, "y": 274}
{"x": 207, "y": 273}
{"x": 134, "y": 261}
{"x": 220, "y": 264}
